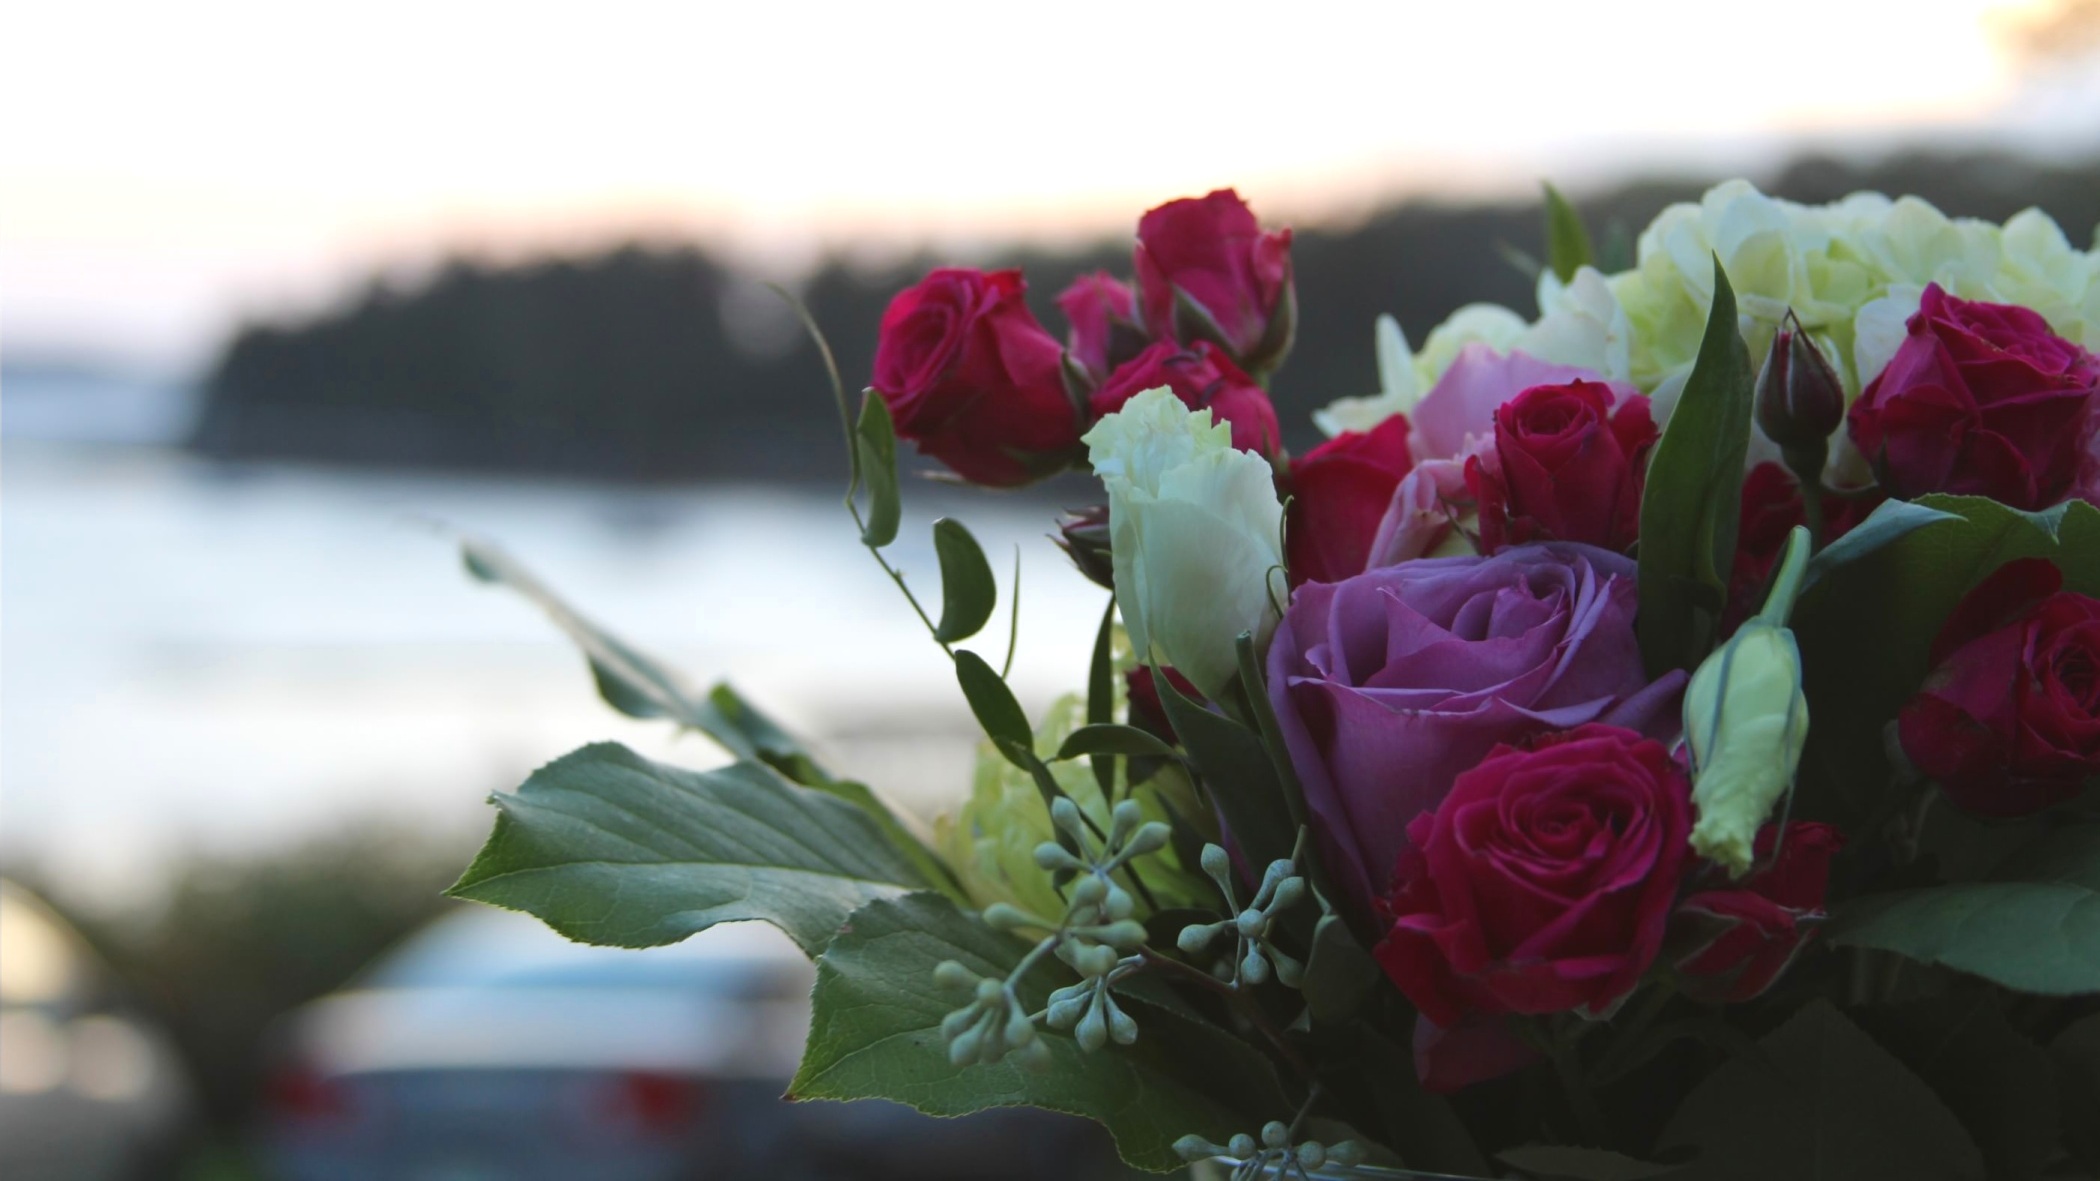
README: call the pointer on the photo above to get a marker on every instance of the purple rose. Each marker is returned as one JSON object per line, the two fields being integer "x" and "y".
{"x": 1390, "y": 684}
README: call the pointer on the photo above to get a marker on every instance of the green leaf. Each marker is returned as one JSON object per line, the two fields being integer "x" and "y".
{"x": 2076, "y": 1053}
{"x": 1891, "y": 521}
{"x": 1567, "y": 242}
{"x": 1997, "y": 1082}
{"x": 607, "y": 847}
{"x": 993, "y": 703}
{"x": 1819, "y": 1102}
{"x": 2038, "y": 934}
{"x": 1238, "y": 774}
{"x": 1111, "y": 739}
{"x": 1693, "y": 500}
{"x": 875, "y": 1033}
{"x": 875, "y": 441}
{"x": 1556, "y": 1163}
{"x": 967, "y": 591}
{"x": 1101, "y": 694}
{"x": 1339, "y": 974}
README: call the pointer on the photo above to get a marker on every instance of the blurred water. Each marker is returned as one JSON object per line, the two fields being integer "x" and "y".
{"x": 199, "y": 656}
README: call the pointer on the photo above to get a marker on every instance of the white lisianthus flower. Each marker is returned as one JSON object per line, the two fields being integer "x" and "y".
{"x": 1490, "y": 324}
{"x": 1197, "y": 536}
{"x": 1399, "y": 387}
{"x": 1581, "y": 324}
{"x": 2039, "y": 269}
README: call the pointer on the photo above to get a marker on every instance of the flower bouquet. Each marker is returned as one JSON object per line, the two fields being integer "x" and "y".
{"x": 1653, "y": 738}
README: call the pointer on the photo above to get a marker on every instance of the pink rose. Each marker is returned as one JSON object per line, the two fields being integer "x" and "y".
{"x": 1204, "y": 378}
{"x": 1103, "y": 315}
{"x": 1543, "y": 882}
{"x": 1982, "y": 399}
{"x": 974, "y": 380}
{"x": 1207, "y": 271}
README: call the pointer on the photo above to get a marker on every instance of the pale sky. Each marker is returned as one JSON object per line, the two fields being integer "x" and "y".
{"x": 168, "y": 168}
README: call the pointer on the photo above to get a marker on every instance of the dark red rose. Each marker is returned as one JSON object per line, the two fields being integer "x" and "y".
{"x": 1982, "y": 399}
{"x": 1103, "y": 314}
{"x": 1566, "y": 467}
{"x": 1204, "y": 378}
{"x": 1340, "y": 491}
{"x": 2008, "y": 720}
{"x": 1147, "y": 713}
{"x": 1207, "y": 271}
{"x": 1543, "y": 882}
{"x": 1746, "y": 935}
{"x": 1771, "y": 507}
{"x": 974, "y": 380}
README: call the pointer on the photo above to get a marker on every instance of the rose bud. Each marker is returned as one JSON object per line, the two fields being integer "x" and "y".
{"x": 1340, "y": 491}
{"x": 1103, "y": 315}
{"x": 1543, "y": 883}
{"x": 1747, "y": 936}
{"x": 1799, "y": 399}
{"x": 974, "y": 380}
{"x": 1566, "y": 466}
{"x": 1207, "y": 271}
{"x": 1746, "y": 721}
{"x": 1204, "y": 378}
{"x": 1147, "y": 713}
{"x": 2008, "y": 720}
{"x": 1083, "y": 535}
{"x": 1981, "y": 399}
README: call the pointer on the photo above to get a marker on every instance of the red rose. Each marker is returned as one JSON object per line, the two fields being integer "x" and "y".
{"x": 1103, "y": 315}
{"x": 974, "y": 380}
{"x": 1749, "y": 934}
{"x": 1207, "y": 271}
{"x": 1981, "y": 399}
{"x": 1772, "y": 506}
{"x": 1204, "y": 378}
{"x": 2008, "y": 720}
{"x": 1339, "y": 493}
{"x": 1543, "y": 882}
{"x": 1566, "y": 467}
{"x": 1147, "y": 712}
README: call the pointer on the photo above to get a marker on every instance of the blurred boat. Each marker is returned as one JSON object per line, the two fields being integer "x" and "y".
{"x": 88, "y": 1089}
{"x": 488, "y": 1047}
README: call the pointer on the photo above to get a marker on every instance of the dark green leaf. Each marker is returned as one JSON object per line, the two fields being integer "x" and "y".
{"x": 1101, "y": 694}
{"x": 1238, "y": 774}
{"x": 875, "y": 1032}
{"x": 1819, "y": 1102}
{"x": 2038, "y": 934}
{"x": 607, "y": 847}
{"x": 967, "y": 591}
{"x": 875, "y": 441}
{"x": 1997, "y": 1082}
{"x": 1254, "y": 682}
{"x": 1567, "y": 242}
{"x": 1111, "y": 739}
{"x": 1690, "y": 509}
{"x": 2076, "y": 1053}
{"x": 1556, "y": 1163}
{"x": 1890, "y": 521}
{"x": 994, "y": 705}
{"x": 1339, "y": 974}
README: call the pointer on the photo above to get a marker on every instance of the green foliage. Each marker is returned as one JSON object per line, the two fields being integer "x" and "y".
{"x": 607, "y": 847}
{"x": 875, "y": 442}
{"x": 1101, "y": 690}
{"x": 1237, "y": 773}
{"x": 1690, "y": 509}
{"x": 2076, "y": 1056}
{"x": 1996, "y": 1081}
{"x": 1111, "y": 739}
{"x": 1340, "y": 976}
{"x": 993, "y": 704}
{"x": 876, "y": 1032}
{"x": 2038, "y": 932}
{"x": 1556, "y": 1163}
{"x": 1567, "y": 241}
{"x": 967, "y": 591}
{"x": 1890, "y": 521}
{"x": 1819, "y": 1101}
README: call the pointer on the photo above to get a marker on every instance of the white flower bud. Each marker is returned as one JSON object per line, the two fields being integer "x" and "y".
{"x": 1746, "y": 720}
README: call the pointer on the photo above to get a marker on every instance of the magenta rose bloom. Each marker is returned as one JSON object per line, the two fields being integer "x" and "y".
{"x": 1204, "y": 378}
{"x": 1566, "y": 466}
{"x": 1742, "y": 936}
{"x": 1103, "y": 315}
{"x": 1982, "y": 399}
{"x": 974, "y": 380}
{"x": 1339, "y": 493}
{"x": 2008, "y": 720}
{"x": 1207, "y": 271}
{"x": 1544, "y": 881}
{"x": 1390, "y": 684}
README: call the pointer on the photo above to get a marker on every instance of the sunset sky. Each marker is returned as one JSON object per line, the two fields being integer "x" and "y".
{"x": 167, "y": 169}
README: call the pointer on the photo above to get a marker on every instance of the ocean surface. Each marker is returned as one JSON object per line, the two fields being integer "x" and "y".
{"x": 202, "y": 658}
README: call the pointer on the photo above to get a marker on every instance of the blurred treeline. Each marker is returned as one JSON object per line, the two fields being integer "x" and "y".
{"x": 644, "y": 363}
{"x": 235, "y": 941}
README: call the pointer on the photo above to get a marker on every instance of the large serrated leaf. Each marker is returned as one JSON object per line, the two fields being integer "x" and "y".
{"x": 607, "y": 847}
{"x": 967, "y": 591}
{"x": 1819, "y": 1101}
{"x": 1693, "y": 499}
{"x": 875, "y": 1032}
{"x": 2039, "y": 934}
